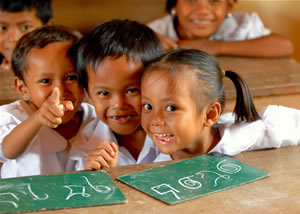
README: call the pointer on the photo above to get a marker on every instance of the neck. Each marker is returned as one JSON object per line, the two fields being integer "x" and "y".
{"x": 201, "y": 146}
{"x": 133, "y": 142}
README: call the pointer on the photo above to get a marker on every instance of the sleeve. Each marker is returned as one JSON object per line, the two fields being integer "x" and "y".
{"x": 282, "y": 127}
{"x": 7, "y": 123}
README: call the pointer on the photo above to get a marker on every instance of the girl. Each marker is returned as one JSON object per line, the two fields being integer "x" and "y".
{"x": 43, "y": 132}
{"x": 183, "y": 97}
{"x": 209, "y": 26}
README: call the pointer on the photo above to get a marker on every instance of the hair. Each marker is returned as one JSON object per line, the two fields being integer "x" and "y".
{"x": 39, "y": 38}
{"x": 172, "y": 3}
{"x": 115, "y": 38}
{"x": 207, "y": 80}
{"x": 43, "y": 7}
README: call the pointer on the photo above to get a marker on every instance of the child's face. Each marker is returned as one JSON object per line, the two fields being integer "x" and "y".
{"x": 13, "y": 26}
{"x": 114, "y": 90}
{"x": 50, "y": 67}
{"x": 200, "y": 18}
{"x": 169, "y": 114}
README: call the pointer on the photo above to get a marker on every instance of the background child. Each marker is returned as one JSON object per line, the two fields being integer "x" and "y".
{"x": 183, "y": 97}
{"x": 17, "y": 18}
{"x": 110, "y": 61}
{"x": 39, "y": 133}
{"x": 210, "y": 26}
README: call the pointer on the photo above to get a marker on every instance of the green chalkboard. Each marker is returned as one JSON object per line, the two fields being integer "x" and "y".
{"x": 192, "y": 178}
{"x": 58, "y": 192}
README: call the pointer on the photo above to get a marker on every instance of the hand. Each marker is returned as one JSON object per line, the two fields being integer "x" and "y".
{"x": 208, "y": 46}
{"x": 105, "y": 155}
{"x": 51, "y": 112}
{"x": 167, "y": 43}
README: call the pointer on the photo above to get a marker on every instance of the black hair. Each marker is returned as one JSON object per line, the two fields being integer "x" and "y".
{"x": 39, "y": 38}
{"x": 115, "y": 38}
{"x": 43, "y": 7}
{"x": 207, "y": 80}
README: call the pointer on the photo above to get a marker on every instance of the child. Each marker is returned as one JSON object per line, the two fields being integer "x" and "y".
{"x": 110, "y": 61}
{"x": 42, "y": 133}
{"x": 209, "y": 26}
{"x": 17, "y": 18}
{"x": 183, "y": 97}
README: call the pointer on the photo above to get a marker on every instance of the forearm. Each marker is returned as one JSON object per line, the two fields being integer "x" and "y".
{"x": 16, "y": 142}
{"x": 268, "y": 46}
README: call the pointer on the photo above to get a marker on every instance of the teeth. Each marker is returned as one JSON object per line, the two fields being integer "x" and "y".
{"x": 162, "y": 135}
{"x": 201, "y": 21}
{"x": 121, "y": 118}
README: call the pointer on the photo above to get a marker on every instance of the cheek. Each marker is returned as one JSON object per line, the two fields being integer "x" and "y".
{"x": 135, "y": 102}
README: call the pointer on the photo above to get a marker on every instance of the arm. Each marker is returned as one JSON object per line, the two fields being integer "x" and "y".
{"x": 49, "y": 114}
{"x": 166, "y": 42}
{"x": 105, "y": 155}
{"x": 267, "y": 46}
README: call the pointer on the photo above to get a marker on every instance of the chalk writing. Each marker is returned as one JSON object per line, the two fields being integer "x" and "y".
{"x": 54, "y": 192}
{"x": 169, "y": 189}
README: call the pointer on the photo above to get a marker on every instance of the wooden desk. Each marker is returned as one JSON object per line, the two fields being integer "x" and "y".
{"x": 271, "y": 81}
{"x": 278, "y": 193}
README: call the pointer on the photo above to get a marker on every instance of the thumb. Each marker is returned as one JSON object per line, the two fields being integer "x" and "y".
{"x": 54, "y": 96}
{"x": 68, "y": 105}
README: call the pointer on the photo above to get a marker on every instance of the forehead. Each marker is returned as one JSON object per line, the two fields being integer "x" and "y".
{"x": 116, "y": 70}
{"x": 52, "y": 56}
{"x": 17, "y": 17}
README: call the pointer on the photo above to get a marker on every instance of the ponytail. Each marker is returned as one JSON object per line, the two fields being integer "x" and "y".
{"x": 244, "y": 107}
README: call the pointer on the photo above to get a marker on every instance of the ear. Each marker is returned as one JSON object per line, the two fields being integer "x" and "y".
{"x": 230, "y": 5}
{"x": 87, "y": 95}
{"x": 212, "y": 114}
{"x": 22, "y": 88}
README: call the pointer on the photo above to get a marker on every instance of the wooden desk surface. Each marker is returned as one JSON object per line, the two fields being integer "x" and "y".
{"x": 278, "y": 193}
{"x": 271, "y": 81}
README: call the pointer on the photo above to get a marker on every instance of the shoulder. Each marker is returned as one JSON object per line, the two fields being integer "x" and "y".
{"x": 241, "y": 26}
{"x": 161, "y": 24}
{"x": 13, "y": 110}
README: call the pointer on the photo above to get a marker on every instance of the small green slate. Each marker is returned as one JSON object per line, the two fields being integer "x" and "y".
{"x": 61, "y": 191}
{"x": 192, "y": 178}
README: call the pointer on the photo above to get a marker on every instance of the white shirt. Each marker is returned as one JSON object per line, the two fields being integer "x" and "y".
{"x": 279, "y": 126}
{"x": 46, "y": 152}
{"x": 240, "y": 26}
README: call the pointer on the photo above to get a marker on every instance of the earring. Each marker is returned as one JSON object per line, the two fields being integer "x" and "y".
{"x": 173, "y": 12}
{"x": 229, "y": 15}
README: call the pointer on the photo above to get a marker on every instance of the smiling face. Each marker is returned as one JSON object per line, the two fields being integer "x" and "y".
{"x": 114, "y": 90}
{"x": 13, "y": 25}
{"x": 47, "y": 68}
{"x": 170, "y": 115}
{"x": 200, "y": 18}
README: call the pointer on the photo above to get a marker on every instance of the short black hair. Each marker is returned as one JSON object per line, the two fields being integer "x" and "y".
{"x": 115, "y": 38}
{"x": 39, "y": 38}
{"x": 170, "y": 4}
{"x": 43, "y": 7}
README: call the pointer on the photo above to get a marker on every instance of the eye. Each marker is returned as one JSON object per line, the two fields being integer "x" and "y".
{"x": 72, "y": 77}
{"x": 133, "y": 91}
{"x": 45, "y": 81}
{"x": 171, "y": 108}
{"x": 25, "y": 27}
{"x": 2, "y": 28}
{"x": 103, "y": 93}
{"x": 147, "y": 107}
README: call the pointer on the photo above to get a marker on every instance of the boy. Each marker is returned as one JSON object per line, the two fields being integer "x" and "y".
{"x": 44, "y": 132}
{"x": 17, "y": 18}
{"x": 110, "y": 62}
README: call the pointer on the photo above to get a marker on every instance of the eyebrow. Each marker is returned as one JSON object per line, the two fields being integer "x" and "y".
{"x": 18, "y": 23}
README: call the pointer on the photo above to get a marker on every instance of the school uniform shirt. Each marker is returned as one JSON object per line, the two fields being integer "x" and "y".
{"x": 279, "y": 126}
{"x": 148, "y": 154}
{"x": 46, "y": 153}
{"x": 240, "y": 26}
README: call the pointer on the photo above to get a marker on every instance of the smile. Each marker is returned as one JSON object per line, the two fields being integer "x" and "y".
{"x": 164, "y": 138}
{"x": 122, "y": 119}
{"x": 201, "y": 22}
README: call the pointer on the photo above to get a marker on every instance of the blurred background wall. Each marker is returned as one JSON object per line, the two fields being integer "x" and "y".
{"x": 281, "y": 16}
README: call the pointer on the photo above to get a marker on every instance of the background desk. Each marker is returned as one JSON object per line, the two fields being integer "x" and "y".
{"x": 278, "y": 193}
{"x": 271, "y": 81}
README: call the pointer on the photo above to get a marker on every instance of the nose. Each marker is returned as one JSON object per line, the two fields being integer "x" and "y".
{"x": 156, "y": 119}
{"x": 119, "y": 102}
{"x": 14, "y": 34}
{"x": 202, "y": 7}
{"x": 62, "y": 89}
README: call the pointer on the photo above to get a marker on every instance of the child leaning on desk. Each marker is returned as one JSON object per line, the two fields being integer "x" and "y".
{"x": 17, "y": 18}
{"x": 110, "y": 61}
{"x": 183, "y": 97}
{"x": 209, "y": 25}
{"x": 39, "y": 133}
